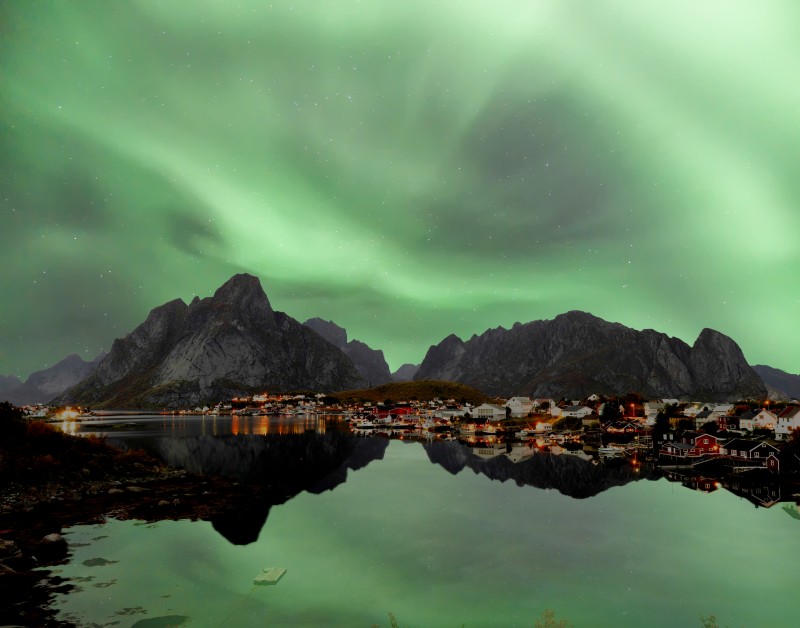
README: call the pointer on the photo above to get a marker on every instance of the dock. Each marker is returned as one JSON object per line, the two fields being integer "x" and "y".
{"x": 269, "y": 576}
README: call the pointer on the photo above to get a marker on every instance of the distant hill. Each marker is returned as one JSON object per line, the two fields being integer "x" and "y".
{"x": 577, "y": 354}
{"x": 417, "y": 391}
{"x": 783, "y": 381}
{"x": 405, "y": 373}
{"x": 9, "y": 382}
{"x": 42, "y": 386}
{"x": 369, "y": 362}
{"x": 212, "y": 349}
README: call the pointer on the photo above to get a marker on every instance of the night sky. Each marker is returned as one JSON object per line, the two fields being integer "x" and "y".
{"x": 406, "y": 169}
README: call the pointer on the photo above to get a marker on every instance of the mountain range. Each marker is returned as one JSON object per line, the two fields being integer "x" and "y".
{"x": 43, "y": 385}
{"x": 234, "y": 343}
{"x": 576, "y": 354}
{"x": 214, "y": 348}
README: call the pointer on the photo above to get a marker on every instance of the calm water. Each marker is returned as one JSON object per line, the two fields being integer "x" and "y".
{"x": 425, "y": 532}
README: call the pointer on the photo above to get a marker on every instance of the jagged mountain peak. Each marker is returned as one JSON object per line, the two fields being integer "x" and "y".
{"x": 215, "y": 348}
{"x": 243, "y": 291}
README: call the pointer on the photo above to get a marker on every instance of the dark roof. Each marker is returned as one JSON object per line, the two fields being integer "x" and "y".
{"x": 703, "y": 415}
{"x": 743, "y": 444}
{"x": 748, "y": 415}
{"x": 789, "y": 412}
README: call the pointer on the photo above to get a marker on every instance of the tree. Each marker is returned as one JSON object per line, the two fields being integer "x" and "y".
{"x": 661, "y": 425}
{"x": 11, "y": 421}
{"x": 610, "y": 411}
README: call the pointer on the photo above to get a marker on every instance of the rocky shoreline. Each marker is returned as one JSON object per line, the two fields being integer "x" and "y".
{"x": 31, "y": 524}
{"x": 50, "y": 481}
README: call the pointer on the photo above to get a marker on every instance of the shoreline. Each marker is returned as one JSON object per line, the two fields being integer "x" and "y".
{"x": 51, "y": 481}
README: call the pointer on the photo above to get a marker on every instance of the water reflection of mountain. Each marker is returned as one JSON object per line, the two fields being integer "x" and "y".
{"x": 283, "y": 465}
{"x": 568, "y": 474}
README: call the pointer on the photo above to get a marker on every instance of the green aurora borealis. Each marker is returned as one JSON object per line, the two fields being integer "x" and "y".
{"x": 406, "y": 169}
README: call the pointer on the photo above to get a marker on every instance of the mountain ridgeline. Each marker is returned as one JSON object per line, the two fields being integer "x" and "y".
{"x": 369, "y": 362}
{"x": 787, "y": 383}
{"x": 213, "y": 349}
{"x": 45, "y": 384}
{"x": 577, "y": 354}
{"x": 234, "y": 343}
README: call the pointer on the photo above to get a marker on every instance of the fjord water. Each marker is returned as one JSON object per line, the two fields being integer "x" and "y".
{"x": 445, "y": 548}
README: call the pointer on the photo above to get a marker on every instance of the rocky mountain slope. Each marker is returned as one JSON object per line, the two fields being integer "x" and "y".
{"x": 781, "y": 380}
{"x": 370, "y": 362}
{"x": 9, "y": 382}
{"x": 405, "y": 373}
{"x": 42, "y": 386}
{"x": 214, "y": 348}
{"x": 577, "y": 354}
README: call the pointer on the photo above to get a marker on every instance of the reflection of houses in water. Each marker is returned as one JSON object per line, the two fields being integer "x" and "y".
{"x": 488, "y": 450}
{"x": 756, "y": 489}
{"x": 520, "y": 451}
{"x": 701, "y": 483}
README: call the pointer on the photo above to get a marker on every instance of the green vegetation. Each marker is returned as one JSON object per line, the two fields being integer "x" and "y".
{"x": 566, "y": 423}
{"x": 424, "y": 390}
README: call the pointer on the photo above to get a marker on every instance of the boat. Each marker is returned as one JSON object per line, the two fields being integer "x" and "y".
{"x": 366, "y": 424}
{"x": 468, "y": 429}
{"x": 611, "y": 450}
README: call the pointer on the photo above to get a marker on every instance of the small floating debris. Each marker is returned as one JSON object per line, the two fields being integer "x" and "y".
{"x": 269, "y": 575}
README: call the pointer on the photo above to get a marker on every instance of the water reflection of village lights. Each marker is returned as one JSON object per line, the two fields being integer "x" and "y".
{"x": 68, "y": 413}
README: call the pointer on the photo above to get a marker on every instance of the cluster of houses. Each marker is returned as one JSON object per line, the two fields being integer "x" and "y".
{"x": 741, "y": 453}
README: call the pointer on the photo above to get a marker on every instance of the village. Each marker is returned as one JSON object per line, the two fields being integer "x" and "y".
{"x": 675, "y": 434}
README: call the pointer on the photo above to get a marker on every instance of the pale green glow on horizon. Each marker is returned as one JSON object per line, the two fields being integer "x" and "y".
{"x": 407, "y": 170}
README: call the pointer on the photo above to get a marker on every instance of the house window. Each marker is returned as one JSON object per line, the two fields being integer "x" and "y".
{"x": 756, "y": 454}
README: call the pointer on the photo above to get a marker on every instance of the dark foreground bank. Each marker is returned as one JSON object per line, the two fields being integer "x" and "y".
{"x": 50, "y": 481}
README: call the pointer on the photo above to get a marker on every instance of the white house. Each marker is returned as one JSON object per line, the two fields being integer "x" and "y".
{"x": 651, "y": 410}
{"x": 520, "y": 406}
{"x": 555, "y": 411}
{"x": 765, "y": 420}
{"x": 693, "y": 409}
{"x": 576, "y": 411}
{"x": 488, "y": 412}
{"x": 787, "y": 422}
